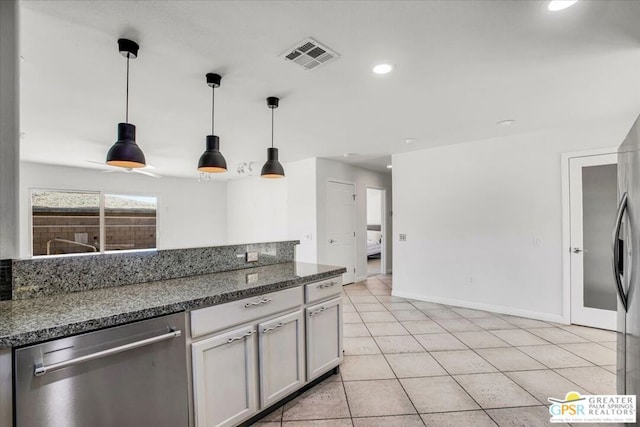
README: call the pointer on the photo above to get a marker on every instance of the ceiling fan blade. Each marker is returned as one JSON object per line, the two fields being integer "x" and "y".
{"x": 146, "y": 173}
{"x": 105, "y": 164}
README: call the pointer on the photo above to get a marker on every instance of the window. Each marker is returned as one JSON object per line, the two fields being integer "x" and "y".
{"x": 72, "y": 222}
{"x": 130, "y": 222}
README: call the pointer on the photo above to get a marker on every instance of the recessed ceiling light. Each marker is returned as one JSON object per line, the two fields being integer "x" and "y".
{"x": 383, "y": 68}
{"x": 410, "y": 140}
{"x": 506, "y": 123}
{"x": 389, "y": 166}
{"x": 556, "y": 5}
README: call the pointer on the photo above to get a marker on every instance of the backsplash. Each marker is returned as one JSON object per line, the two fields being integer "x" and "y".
{"x": 5, "y": 279}
{"x": 50, "y": 276}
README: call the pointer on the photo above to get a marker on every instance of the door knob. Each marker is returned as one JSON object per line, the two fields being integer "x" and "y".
{"x": 331, "y": 240}
{"x": 576, "y": 250}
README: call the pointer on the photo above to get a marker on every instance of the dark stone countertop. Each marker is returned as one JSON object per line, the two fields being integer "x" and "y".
{"x": 33, "y": 320}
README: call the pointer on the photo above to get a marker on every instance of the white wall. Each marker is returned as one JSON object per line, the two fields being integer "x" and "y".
{"x": 362, "y": 178}
{"x": 190, "y": 213}
{"x": 256, "y": 210}
{"x": 374, "y": 207}
{"x": 473, "y": 213}
{"x": 302, "y": 209}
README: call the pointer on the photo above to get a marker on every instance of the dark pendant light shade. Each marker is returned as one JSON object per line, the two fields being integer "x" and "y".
{"x": 125, "y": 153}
{"x": 272, "y": 169}
{"x": 212, "y": 161}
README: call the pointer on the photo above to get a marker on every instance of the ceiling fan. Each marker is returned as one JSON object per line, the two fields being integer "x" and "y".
{"x": 141, "y": 171}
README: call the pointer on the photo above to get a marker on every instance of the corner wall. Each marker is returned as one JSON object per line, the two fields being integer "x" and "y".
{"x": 256, "y": 210}
{"x": 190, "y": 213}
{"x": 483, "y": 219}
{"x": 302, "y": 208}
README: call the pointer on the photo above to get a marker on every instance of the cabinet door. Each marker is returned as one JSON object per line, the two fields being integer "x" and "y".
{"x": 324, "y": 337}
{"x": 281, "y": 346}
{"x": 224, "y": 378}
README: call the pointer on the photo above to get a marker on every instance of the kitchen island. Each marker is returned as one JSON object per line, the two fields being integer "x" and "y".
{"x": 204, "y": 298}
{"x": 33, "y": 320}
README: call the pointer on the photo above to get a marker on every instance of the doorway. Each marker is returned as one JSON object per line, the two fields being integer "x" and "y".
{"x": 592, "y": 210}
{"x": 375, "y": 231}
{"x": 341, "y": 227}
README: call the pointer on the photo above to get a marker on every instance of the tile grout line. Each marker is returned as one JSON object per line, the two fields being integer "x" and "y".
{"x": 473, "y": 350}
{"x": 394, "y": 373}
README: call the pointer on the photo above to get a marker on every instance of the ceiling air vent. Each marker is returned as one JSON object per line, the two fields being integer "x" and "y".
{"x": 309, "y": 54}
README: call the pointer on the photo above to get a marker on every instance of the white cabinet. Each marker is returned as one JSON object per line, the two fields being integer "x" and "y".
{"x": 323, "y": 290}
{"x": 251, "y": 353}
{"x": 225, "y": 378}
{"x": 281, "y": 347}
{"x": 218, "y": 317}
{"x": 324, "y": 337}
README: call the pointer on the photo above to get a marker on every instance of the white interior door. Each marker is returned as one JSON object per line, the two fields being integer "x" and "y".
{"x": 341, "y": 228}
{"x": 593, "y": 203}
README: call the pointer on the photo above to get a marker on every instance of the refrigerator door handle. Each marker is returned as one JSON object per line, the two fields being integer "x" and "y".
{"x": 615, "y": 258}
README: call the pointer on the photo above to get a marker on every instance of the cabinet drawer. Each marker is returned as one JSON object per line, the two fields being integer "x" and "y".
{"x": 211, "y": 319}
{"x": 321, "y": 290}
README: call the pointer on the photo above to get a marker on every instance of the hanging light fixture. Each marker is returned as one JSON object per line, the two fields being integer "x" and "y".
{"x": 272, "y": 168}
{"x": 125, "y": 153}
{"x": 212, "y": 161}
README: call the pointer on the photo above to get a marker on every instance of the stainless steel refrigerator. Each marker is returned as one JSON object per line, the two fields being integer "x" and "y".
{"x": 626, "y": 263}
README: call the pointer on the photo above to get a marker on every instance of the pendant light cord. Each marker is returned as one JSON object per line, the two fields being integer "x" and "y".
{"x": 272, "y": 127}
{"x": 127, "y": 107}
{"x": 213, "y": 100}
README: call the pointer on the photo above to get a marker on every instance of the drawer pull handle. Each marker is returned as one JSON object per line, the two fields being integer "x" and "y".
{"x": 320, "y": 310}
{"x": 248, "y": 334}
{"x": 267, "y": 330}
{"x": 253, "y": 304}
{"x": 327, "y": 285}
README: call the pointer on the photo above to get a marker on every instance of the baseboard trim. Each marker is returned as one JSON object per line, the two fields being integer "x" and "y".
{"x": 556, "y": 318}
{"x": 361, "y": 278}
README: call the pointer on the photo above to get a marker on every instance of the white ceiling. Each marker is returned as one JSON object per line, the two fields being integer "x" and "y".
{"x": 461, "y": 66}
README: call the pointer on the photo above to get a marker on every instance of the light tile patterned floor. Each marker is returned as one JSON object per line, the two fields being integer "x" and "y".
{"x": 411, "y": 363}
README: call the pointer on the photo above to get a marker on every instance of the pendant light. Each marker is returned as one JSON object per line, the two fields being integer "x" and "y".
{"x": 212, "y": 161}
{"x": 272, "y": 168}
{"x": 125, "y": 153}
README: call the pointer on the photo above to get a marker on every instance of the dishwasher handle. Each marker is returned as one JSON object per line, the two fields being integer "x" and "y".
{"x": 40, "y": 369}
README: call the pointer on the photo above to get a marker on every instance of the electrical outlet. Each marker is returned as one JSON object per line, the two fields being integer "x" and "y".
{"x": 403, "y": 237}
{"x": 252, "y": 278}
{"x": 252, "y": 256}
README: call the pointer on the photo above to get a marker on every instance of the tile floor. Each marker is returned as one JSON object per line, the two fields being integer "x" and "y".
{"x": 412, "y": 363}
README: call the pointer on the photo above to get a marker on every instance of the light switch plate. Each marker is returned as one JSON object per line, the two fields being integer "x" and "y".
{"x": 403, "y": 237}
{"x": 252, "y": 256}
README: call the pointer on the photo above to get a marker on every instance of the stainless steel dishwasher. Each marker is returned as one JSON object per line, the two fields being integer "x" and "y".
{"x": 130, "y": 375}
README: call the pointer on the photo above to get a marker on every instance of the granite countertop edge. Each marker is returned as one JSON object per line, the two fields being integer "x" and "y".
{"x": 91, "y": 324}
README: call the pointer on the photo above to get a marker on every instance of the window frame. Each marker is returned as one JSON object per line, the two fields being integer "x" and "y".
{"x": 102, "y": 224}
